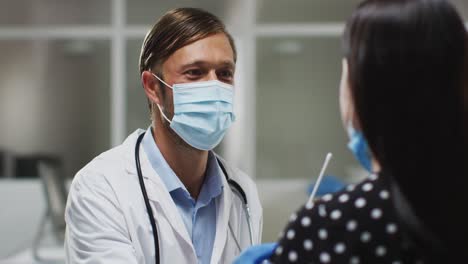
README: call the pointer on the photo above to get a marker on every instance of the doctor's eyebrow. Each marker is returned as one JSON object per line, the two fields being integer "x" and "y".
{"x": 200, "y": 63}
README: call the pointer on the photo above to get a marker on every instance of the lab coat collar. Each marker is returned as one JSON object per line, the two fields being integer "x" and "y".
{"x": 158, "y": 163}
{"x": 156, "y": 189}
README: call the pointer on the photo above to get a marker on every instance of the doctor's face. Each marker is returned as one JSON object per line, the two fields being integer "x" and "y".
{"x": 207, "y": 59}
{"x": 211, "y": 58}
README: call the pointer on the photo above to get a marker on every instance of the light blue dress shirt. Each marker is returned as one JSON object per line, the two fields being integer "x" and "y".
{"x": 199, "y": 216}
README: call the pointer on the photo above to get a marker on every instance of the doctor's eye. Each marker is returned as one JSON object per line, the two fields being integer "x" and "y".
{"x": 194, "y": 73}
{"x": 226, "y": 75}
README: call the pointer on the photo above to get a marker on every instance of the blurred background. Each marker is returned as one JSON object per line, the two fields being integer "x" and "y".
{"x": 70, "y": 89}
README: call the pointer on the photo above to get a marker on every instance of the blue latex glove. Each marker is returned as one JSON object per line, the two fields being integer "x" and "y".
{"x": 256, "y": 254}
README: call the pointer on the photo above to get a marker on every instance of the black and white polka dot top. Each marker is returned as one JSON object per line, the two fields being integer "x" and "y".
{"x": 357, "y": 225}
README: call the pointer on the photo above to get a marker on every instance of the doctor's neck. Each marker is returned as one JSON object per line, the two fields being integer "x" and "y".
{"x": 188, "y": 163}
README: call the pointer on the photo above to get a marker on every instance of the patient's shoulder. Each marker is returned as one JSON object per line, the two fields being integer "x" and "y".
{"x": 345, "y": 227}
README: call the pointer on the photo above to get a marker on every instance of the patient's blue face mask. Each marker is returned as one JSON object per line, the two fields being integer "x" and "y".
{"x": 203, "y": 111}
{"x": 358, "y": 145}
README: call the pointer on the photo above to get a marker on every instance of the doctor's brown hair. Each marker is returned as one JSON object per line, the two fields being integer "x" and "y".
{"x": 177, "y": 28}
{"x": 408, "y": 78}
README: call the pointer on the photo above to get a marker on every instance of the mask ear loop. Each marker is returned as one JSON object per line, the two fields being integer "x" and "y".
{"x": 162, "y": 113}
{"x": 162, "y": 81}
{"x": 159, "y": 107}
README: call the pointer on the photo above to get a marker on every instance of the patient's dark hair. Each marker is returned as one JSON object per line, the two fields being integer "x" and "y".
{"x": 408, "y": 79}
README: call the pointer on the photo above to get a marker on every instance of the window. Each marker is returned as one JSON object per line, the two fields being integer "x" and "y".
{"x": 55, "y": 102}
{"x": 297, "y": 111}
{"x": 31, "y": 13}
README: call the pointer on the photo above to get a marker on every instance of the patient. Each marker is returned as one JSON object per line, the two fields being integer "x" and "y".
{"x": 403, "y": 103}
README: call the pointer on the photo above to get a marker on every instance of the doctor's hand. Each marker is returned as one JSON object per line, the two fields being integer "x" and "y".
{"x": 256, "y": 254}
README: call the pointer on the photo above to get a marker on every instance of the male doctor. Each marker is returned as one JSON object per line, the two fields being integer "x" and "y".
{"x": 169, "y": 174}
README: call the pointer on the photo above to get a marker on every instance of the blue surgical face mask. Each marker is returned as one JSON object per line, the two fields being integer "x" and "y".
{"x": 203, "y": 111}
{"x": 358, "y": 145}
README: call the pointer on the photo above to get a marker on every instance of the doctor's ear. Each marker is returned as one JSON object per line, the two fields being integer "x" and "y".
{"x": 152, "y": 87}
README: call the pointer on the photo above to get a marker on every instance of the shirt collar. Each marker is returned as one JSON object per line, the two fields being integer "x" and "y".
{"x": 212, "y": 185}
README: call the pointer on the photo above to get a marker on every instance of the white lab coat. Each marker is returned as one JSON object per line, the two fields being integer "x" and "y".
{"x": 107, "y": 221}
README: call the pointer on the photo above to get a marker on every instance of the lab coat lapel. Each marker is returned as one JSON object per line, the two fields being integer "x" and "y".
{"x": 222, "y": 220}
{"x": 158, "y": 193}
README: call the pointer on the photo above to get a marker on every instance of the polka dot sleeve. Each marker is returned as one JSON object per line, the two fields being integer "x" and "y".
{"x": 356, "y": 225}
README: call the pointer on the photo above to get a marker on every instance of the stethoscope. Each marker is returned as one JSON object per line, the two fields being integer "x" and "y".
{"x": 235, "y": 187}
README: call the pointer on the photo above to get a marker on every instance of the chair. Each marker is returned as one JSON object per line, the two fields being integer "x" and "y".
{"x": 53, "y": 182}
{"x": 27, "y": 165}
